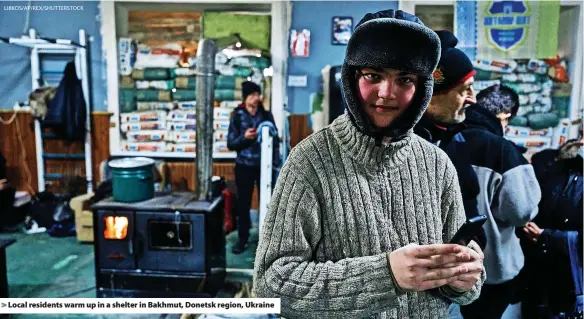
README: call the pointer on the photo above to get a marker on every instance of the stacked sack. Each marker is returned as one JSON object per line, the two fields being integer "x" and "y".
{"x": 543, "y": 97}
{"x": 221, "y": 117}
{"x": 144, "y": 119}
{"x": 231, "y": 74}
{"x": 182, "y": 121}
{"x": 250, "y": 66}
{"x": 144, "y": 131}
{"x": 158, "y": 99}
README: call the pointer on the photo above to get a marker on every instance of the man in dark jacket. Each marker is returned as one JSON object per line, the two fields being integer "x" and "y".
{"x": 550, "y": 282}
{"x": 509, "y": 195}
{"x": 441, "y": 124}
{"x": 501, "y": 101}
{"x": 243, "y": 138}
{"x": 505, "y": 106}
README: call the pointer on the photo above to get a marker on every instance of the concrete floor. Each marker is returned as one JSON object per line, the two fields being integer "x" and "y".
{"x": 41, "y": 266}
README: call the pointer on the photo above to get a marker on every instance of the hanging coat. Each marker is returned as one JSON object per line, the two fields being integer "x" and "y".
{"x": 67, "y": 111}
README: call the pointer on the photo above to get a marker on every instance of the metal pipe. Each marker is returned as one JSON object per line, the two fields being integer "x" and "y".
{"x": 36, "y": 76}
{"x": 205, "y": 94}
{"x": 85, "y": 76}
{"x": 266, "y": 170}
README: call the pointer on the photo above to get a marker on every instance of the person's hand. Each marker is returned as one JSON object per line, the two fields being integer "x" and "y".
{"x": 465, "y": 282}
{"x": 423, "y": 267}
{"x": 250, "y": 134}
{"x": 3, "y": 183}
{"x": 532, "y": 231}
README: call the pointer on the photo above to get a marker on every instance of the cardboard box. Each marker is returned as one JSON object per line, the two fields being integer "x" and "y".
{"x": 83, "y": 217}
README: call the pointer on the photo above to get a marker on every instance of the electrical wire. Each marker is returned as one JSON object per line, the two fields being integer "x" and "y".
{"x": 9, "y": 121}
{"x": 26, "y": 168}
{"x": 27, "y": 20}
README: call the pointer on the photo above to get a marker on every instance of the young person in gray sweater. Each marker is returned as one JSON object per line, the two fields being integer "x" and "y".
{"x": 362, "y": 209}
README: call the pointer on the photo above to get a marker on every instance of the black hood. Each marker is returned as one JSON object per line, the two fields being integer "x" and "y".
{"x": 397, "y": 40}
{"x": 480, "y": 118}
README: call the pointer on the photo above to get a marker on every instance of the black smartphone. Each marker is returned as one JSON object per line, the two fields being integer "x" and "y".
{"x": 469, "y": 229}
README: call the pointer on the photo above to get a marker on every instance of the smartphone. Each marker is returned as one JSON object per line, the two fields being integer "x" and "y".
{"x": 469, "y": 229}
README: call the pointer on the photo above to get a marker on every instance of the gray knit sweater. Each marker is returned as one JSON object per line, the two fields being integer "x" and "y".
{"x": 340, "y": 206}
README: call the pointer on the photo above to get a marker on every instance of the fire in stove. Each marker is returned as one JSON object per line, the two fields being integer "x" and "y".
{"x": 116, "y": 227}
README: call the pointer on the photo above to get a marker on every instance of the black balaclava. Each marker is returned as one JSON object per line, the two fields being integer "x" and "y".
{"x": 396, "y": 40}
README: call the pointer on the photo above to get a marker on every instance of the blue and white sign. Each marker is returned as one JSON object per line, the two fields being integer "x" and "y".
{"x": 506, "y": 23}
{"x": 508, "y": 29}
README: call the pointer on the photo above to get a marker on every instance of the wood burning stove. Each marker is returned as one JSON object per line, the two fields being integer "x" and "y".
{"x": 171, "y": 245}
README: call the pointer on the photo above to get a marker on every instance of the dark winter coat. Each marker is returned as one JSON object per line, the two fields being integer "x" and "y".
{"x": 249, "y": 151}
{"x": 560, "y": 211}
{"x": 509, "y": 193}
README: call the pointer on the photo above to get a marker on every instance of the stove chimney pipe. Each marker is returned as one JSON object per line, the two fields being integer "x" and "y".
{"x": 205, "y": 94}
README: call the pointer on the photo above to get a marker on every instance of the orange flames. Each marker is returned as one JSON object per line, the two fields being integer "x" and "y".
{"x": 116, "y": 227}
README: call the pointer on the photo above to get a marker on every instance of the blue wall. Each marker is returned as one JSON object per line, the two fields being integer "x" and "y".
{"x": 15, "y": 77}
{"x": 316, "y": 16}
{"x": 15, "y": 82}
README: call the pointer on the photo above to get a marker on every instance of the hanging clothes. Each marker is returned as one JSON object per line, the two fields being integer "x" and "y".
{"x": 67, "y": 111}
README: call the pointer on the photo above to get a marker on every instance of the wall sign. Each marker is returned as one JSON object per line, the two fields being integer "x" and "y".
{"x": 342, "y": 29}
{"x": 297, "y": 80}
{"x": 508, "y": 29}
{"x": 300, "y": 43}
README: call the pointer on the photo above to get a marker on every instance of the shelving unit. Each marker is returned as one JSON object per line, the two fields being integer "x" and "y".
{"x": 115, "y": 25}
{"x": 58, "y": 47}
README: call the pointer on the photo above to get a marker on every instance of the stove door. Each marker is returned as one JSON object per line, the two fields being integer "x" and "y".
{"x": 171, "y": 241}
{"x": 115, "y": 239}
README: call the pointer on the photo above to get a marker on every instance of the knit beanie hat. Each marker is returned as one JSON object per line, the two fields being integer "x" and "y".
{"x": 454, "y": 66}
{"x": 248, "y": 88}
{"x": 396, "y": 40}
